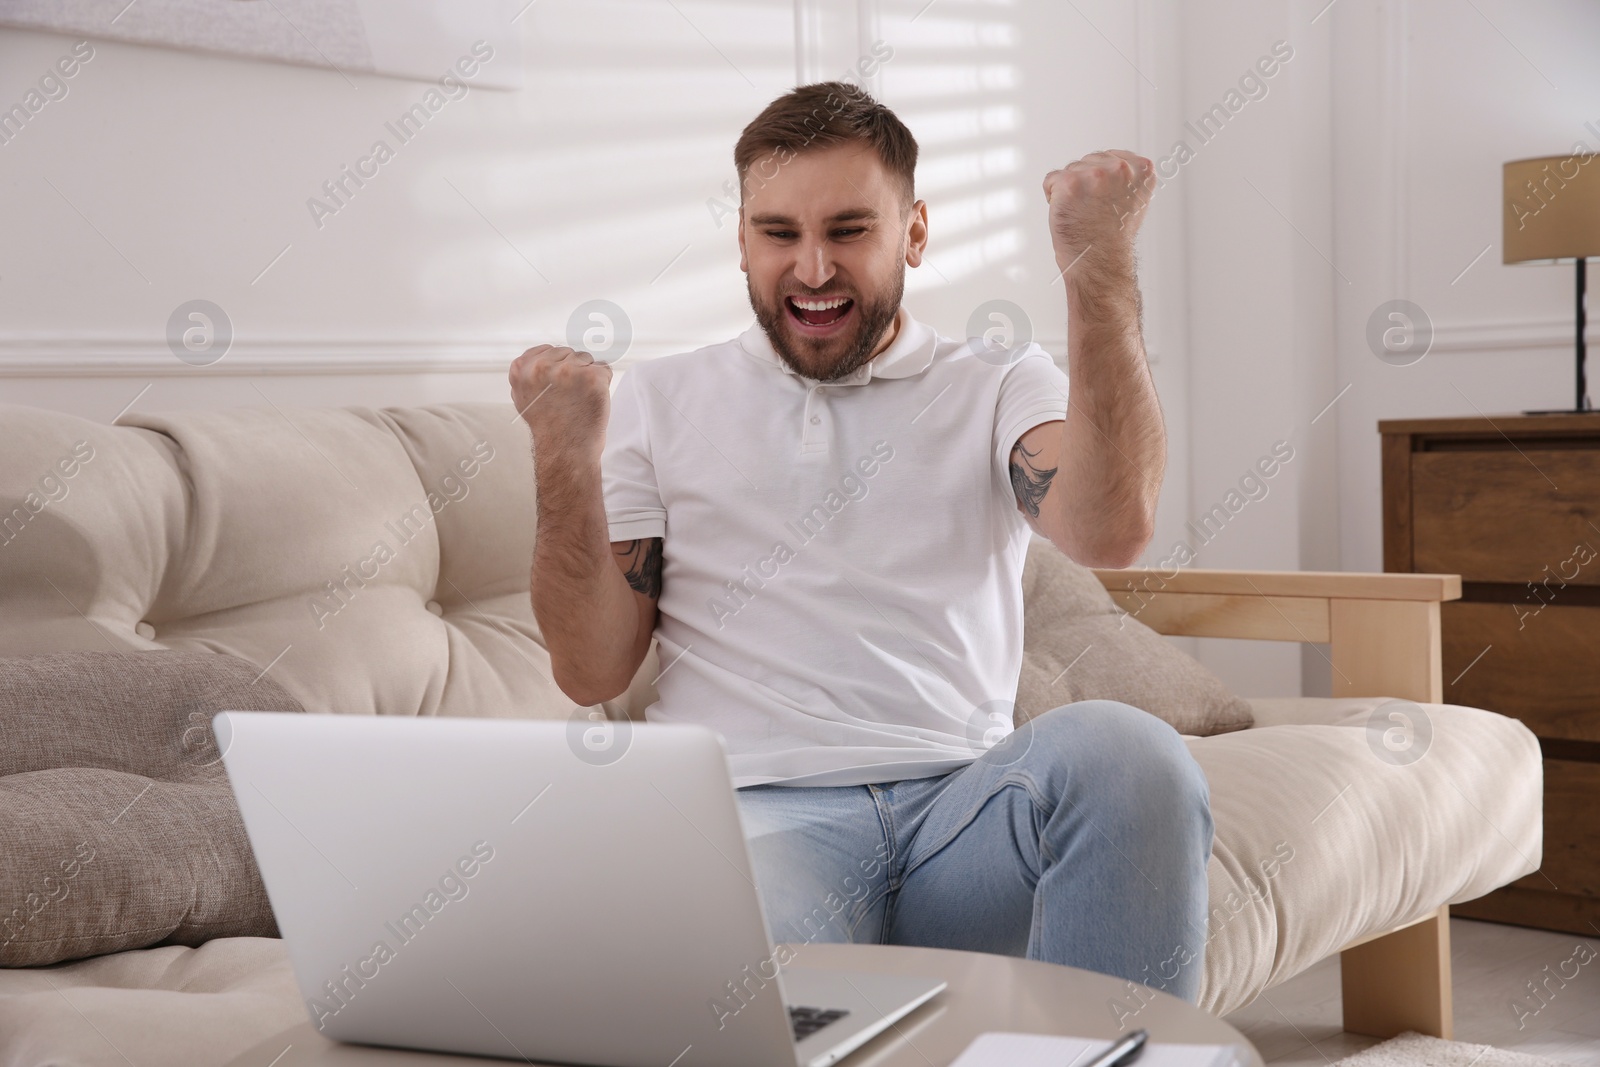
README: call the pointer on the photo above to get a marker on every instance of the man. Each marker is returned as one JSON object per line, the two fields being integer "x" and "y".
{"x": 823, "y": 523}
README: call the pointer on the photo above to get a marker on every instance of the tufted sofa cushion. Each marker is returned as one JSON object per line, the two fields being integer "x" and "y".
{"x": 375, "y": 562}
{"x": 117, "y": 825}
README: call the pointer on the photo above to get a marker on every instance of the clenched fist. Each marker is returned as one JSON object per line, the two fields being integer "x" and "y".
{"x": 564, "y": 396}
{"x": 1097, "y": 204}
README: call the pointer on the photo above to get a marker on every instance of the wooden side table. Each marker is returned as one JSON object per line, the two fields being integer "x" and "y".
{"x": 986, "y": 993}
{"x": 1512, "y": 504}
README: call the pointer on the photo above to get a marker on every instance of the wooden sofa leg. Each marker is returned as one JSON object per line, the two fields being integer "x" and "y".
{"x": 1400, "y": 981}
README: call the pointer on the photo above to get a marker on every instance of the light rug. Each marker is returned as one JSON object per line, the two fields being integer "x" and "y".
{"x": 1412, "y": 1049}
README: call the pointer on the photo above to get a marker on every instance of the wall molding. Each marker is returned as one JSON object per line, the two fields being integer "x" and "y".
{"x": 24, "y": 356}
{"x": 1397, "y": 98}
{"x": 869, "y": 30}
{"x": 53, "y": 356}
{"x": 1508, "y": 335}
{"x": 807, "y": 41}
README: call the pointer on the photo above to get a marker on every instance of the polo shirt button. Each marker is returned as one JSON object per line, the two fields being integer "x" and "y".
{"x": 815, "y": 419}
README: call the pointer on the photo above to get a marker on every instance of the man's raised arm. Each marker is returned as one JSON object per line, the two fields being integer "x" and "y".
{"x": 1090, "y": 484}
{"x": 595, "y": 601}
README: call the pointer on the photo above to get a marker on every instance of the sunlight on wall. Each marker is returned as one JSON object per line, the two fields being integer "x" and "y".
{"x": 619, "y": 186}
{"x": 956, "y": 81}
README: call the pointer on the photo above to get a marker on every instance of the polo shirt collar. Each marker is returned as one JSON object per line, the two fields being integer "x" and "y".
{"x": 910, "y": 353}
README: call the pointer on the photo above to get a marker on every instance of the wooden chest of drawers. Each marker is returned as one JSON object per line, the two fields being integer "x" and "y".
{"x": 1512, "y": 504}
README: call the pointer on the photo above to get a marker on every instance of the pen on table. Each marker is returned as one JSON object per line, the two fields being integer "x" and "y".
{"x": 1124, "y": 1051}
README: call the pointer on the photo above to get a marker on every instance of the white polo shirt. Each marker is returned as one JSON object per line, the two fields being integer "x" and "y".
{"x": 841, "y": 591}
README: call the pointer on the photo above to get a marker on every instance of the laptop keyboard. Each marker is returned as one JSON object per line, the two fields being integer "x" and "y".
{"x": 807, "y": 1021}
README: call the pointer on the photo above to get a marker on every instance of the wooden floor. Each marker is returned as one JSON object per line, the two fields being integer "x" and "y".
{"x": 1297, "y": 1024}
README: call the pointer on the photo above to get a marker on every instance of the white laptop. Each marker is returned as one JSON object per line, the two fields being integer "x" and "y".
{"x": 493, "y": 887}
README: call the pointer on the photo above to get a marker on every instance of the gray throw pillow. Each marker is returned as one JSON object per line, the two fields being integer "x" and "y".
{"x": 1078, "y": 645}
{"x": 118, "y": 829}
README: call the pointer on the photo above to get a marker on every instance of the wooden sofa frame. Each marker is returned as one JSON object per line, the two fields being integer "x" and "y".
{"x": 1383, "y": 636}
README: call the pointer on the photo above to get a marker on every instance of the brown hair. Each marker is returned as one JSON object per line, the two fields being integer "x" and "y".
{"x": 822, "y": 115}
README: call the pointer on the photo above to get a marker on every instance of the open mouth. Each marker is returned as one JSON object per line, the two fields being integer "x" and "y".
{"x": 819, "y": 317}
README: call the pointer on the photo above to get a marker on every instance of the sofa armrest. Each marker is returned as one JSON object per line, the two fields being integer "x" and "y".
{"x": 1345, "y": 584}
{"x": 1382, "y": 629}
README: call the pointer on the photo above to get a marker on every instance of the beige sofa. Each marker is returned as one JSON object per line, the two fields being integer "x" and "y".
{"x": 257, "y": 532}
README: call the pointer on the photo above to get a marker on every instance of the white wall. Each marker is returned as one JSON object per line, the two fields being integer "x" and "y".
{"x": 1370, "y": 170}
{"x": 1258, "y": 219}
{"x": 1378, "y": 170}
{"x": 1434, "y": 97}
{"x": 166, "y": 176}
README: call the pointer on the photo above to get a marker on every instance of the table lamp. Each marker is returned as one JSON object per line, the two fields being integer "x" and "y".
{"x": 1552, "y": 214}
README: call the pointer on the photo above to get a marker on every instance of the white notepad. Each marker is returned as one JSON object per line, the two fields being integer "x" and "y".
{"x": 1048, "y": 1050}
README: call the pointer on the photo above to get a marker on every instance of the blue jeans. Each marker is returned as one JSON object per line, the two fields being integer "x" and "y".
{"x": 1082, "y": 838}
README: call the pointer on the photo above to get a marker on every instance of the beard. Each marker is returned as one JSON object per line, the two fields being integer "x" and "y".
{"x": 827, "y": 359}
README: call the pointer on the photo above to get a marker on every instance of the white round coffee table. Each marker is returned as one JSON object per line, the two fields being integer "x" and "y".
{"x": 986, "y": 993}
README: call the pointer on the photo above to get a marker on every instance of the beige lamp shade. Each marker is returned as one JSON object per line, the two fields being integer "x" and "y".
{"x": 1552, "y": 208}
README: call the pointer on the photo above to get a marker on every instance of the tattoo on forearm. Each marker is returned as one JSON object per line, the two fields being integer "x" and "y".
{"x": 643, "y": 569}
{"x": 1029, "y": 482}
